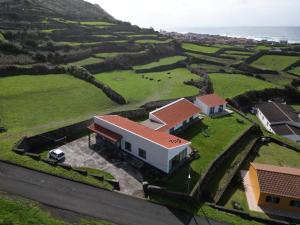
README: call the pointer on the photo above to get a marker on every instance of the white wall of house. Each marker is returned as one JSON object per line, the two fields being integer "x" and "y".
{"x": 156, "y": 155}
{"x": 265, "y": 122}
{"x": 295, "y": 138}
{"x": 206, "y": 109}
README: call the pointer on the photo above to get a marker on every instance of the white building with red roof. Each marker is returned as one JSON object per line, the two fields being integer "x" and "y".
{"x": 175, "y": 116}
{"x": 211, "y": 104}
{"x": 159, "y": 149}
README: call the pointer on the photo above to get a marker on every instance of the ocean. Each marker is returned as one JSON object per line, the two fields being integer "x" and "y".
{"x": 291, "y": 34}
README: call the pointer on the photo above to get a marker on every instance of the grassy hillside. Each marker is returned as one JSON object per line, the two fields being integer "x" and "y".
{"x": 230, "y": 85}
{"x": 161, "y": 62}
{"x": 275, "y": 62}
{"x": 199, "y": 48}
{"x": 150, "y": 86}
{"x": 29, "y": 101}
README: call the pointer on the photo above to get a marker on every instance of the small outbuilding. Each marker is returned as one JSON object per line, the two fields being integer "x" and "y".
{"x": 211, "y": 104}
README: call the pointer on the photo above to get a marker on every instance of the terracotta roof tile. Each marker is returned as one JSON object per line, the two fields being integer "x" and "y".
{"x": 212, "y": 100}
{"x": 281, "y": 181}
{"x": 164, "y": 139}
{"x": 112, "y": 136}
{"x": 175, "y": 113}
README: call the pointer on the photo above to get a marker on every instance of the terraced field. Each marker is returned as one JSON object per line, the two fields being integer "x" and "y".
{"x": 87, "y": 61}
{"x": 295, "y": 71}
{"x": 152, "y": 41}
{"x": 275, "y": 62}
{"x": 150, "y": 86}
{"x": 199, "y": 48}
{"x": 29, "y": 101}
{"x": 211, "y": 58}
{"x": 161, "y": 62}
{"x": 209, "y": 68}
{"x": 230, "y": 85}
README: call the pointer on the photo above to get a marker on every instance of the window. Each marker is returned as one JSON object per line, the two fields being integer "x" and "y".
{"x": 272, "y": 199}
{"x": 221, "y": 108}
{"x": 212, "y": 110}
{"x": 142, "y": 153}
{"x": 128, "y": 146}
{"x": 295, "y": 203}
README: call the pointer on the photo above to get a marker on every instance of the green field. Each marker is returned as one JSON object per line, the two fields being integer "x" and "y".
{"x": 29, "y": 101}
{"x": 104, "y": 35}
{"x": 141, "y": 35}
{"x": 275, "y": 62}
{"x": 262, "y": 47}
{"x": 277, "y": 155}
{"x": 17, "y": 212}
{"x": 88, "y": 61}
{"x": 210, "y": 68}
{"x": 210, "y": 138}
{"x": 231, "y": 85}
{"x": 62, "y": 20}
{"x": 199, "y": 48}
{"x": 161, "y": 62}
{"x": 96, "y": 23}
{"x": 212, "y": 58}
{"x": 135, "y": 88}
{"x": 50, "y": 30}
{"x": 238, "y": 53}
{"x": 295, "y": 71}
{"x": 151, "y": 41}
{"x": 114, "y": 54}
{"x": 76, "y": 43}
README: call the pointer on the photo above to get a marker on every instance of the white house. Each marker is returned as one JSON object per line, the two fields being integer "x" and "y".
{"x": 280, "y": 119}
{"x": 175, "y": 116}
{"x": 211, "y": 104}
{"x": 159, "y": 149}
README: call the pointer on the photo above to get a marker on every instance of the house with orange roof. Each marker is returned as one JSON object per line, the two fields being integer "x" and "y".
{"x": 211, "y": 104}
{"x": 275, "y": 187}
{"x": 176, "y": 116}
{"x": 156, "y": 148}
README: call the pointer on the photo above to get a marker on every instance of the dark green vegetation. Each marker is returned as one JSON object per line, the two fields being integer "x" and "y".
{"x": 28, "y": 213}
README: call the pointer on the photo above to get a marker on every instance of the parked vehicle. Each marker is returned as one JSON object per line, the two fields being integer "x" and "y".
{"x": 56, "y": 154}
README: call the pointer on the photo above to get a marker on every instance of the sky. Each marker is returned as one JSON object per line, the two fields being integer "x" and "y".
{"x": 170, "y": 14}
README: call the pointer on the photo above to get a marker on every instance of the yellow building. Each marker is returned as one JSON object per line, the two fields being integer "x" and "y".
{"x": 276, "y": 187}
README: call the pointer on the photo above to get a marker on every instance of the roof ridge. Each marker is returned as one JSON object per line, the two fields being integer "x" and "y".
{"x": 165, "y": 106}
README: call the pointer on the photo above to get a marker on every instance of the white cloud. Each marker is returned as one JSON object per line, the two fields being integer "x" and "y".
{"x": 196, "y": 13}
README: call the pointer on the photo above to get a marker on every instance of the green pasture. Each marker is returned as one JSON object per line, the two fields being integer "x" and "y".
{"x": 275, "y": 62}
{"x": 161, "y": 62}
{"x": 199, "y": 48}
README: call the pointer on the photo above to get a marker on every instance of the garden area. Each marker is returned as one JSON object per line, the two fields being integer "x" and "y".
{"x": 138, "y": 88}
{"x": 295, "y": 71}
{"x": 210, "y": 137}
{"x": 230, "y": 85}
{"x": 275, "y": 62}
{"x": 199, "y": 48}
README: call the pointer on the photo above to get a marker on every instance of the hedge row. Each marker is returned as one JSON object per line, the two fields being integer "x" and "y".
{"x": 251, "y": 98}
{"x": 85, "y": 75}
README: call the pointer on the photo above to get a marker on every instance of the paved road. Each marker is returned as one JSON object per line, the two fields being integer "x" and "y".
{"x": 90, "y": 201}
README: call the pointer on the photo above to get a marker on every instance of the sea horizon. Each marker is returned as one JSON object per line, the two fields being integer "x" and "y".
{"x": 270, "y": 33}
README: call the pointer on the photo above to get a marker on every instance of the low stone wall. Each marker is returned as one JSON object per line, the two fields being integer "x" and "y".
{"x": 200, "y": 189}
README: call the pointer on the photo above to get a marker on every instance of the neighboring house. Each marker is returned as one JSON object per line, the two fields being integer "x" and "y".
{"x": 275, "y": 187}
{"x": 174, "y": 117}
{"x": 211, "y": 104}
{"x": 280, "y": 119}
{"x": 159, "y": 149}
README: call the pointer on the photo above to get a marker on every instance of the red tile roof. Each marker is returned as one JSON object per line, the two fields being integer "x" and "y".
{"x": 112, "y": 136}
{"x": 212, "y": 100}
{"x": 163, "y": 139}
{"x": 276, "y": 180}
{"x": 175, "y": 113}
